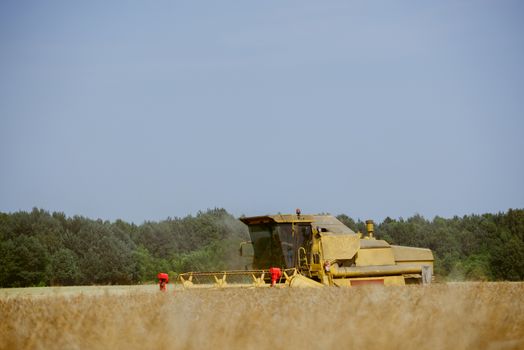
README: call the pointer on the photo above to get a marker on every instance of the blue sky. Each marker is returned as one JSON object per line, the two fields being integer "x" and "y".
{"x": 144, "y": 110}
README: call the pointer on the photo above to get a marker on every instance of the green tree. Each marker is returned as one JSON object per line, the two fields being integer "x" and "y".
{"x": 507, "y": 258}
{"x": 24, "y": 262}
{"x": 64, "y": 268}
{"x": 145, "y": 266}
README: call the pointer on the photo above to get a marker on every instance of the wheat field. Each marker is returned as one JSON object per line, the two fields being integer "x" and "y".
{"x": 440, "y": 316}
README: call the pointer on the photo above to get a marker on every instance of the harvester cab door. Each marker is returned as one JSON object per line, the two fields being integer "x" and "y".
{"x": 303, "y": 235}
{"x": 296, "y": 244}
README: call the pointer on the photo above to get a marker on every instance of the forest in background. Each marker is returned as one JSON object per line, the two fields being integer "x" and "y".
{"x": 39, "y": 248}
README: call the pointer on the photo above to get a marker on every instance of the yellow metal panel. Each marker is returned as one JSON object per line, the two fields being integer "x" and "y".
{"x": 387, "y": 280}
{"x": 342, "y": 282}
{"x": 299, "y": 281}
{"x": 375, "y": 256}
{"x": 373, "y": 243}
{"x": 331, "y": 224}
{"x": 394, "y": 281}
{"x": 339, "y": 247}
{"x": 408, "y": 254}
{"x": 414, "y": 262}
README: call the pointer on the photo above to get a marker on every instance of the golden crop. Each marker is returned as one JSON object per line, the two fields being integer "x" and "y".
{"x": 440, "y": 316}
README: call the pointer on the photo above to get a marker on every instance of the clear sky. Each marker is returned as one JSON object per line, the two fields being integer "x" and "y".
{"x": 142, "y": 110}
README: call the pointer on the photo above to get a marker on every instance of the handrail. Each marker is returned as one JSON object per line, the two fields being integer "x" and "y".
{"x": 302, "y": 259}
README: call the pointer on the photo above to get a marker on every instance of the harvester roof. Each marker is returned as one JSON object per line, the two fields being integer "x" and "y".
{"x": 327, "y": 222}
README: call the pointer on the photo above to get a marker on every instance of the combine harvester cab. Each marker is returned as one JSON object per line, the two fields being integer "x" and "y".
{"x": 319, "y": 250}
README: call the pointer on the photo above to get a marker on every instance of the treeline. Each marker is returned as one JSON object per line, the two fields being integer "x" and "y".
{"x": 39, "y": 248}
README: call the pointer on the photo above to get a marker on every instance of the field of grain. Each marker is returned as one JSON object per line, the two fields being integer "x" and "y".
{"x": 440, "y": 316}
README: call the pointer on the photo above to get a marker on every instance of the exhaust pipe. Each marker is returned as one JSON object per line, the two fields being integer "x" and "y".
{"x": 370, "y": 227}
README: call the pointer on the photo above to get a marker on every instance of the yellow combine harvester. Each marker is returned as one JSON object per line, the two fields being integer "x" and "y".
{"x": 315, "y": 251}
